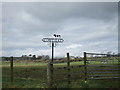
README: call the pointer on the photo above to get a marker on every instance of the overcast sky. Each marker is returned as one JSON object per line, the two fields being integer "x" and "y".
{"x": 88, "y": 26}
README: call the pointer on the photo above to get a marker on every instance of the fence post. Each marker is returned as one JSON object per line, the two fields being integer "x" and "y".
{"x": 68, "y": 65}
{"x": 85, "y": 58}
{"x": 11, "y": 68}
{"x": 49, "y": 74}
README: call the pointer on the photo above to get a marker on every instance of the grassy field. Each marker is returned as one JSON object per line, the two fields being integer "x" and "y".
{"x": 34, "y": 75}
{"x": 26, "y": 75}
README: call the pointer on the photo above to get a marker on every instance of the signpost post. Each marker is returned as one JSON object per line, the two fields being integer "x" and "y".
{"x": 53, "y": 42}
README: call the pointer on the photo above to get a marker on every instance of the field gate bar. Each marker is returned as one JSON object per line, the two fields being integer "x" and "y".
{"x": 102, "y": 66}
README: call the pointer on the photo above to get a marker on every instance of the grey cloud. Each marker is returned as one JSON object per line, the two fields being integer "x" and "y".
{"x": 102, "y": 11}
{"x": 25, "y": 24}
{"x": 57, "y": 11}
{"x": 92, "y": 31}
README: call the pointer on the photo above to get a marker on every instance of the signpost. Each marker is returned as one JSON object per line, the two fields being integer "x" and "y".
{"x": 53, "y": 42}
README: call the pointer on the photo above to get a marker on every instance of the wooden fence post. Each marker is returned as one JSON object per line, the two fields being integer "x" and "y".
{"x": 11, "y": 68}
{"x": 68, "y": 65}
{"x": 85, "y": 58}
{"x": 49, "y": 74}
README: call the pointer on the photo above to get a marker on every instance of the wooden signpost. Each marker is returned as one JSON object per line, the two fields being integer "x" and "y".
{"x": 53, "y": 42}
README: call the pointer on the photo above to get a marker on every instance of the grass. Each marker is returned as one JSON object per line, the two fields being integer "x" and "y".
{"x": 23, "y": 63}
{"x": 25, "y": 77}
{"x": 34, "y": 75}
{"x": 24, "y": 83}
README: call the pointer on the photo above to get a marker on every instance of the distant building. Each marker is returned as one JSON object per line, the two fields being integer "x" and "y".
{"x": 43, "y": 57}
{"x": 72, "y": 57}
